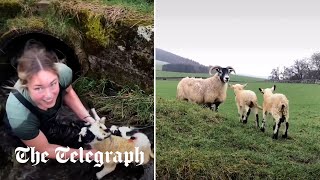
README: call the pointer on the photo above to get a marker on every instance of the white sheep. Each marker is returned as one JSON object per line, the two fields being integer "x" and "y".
{"x": 210, "y": 91}
{"x": 278, "y": 106}
{"x": 246, "y": 100}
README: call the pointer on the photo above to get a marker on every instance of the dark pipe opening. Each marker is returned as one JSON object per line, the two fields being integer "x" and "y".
{"x": 12, "y": 46}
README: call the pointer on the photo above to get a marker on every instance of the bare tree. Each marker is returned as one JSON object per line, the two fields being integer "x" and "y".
{"x": 300, "y": 69}
{"x": 315, "y": 64}
{"x": 287, "y": 73}
{"x": 275, "y": 74}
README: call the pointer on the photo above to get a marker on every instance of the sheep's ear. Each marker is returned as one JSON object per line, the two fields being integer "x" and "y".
{"x": 261, "y": 90}
{"x": 104, "y": 127}
{"x": 102, "y": 120}
{"x": 94, "y": 113}
{"x": 217, "y": 68}
{"x": 230, "y": 85}
{"x": 274, "y": 88}
{"x": 245, "y": 84}
{"x": 231, "y": 69}
{"x": 82, "y": 133}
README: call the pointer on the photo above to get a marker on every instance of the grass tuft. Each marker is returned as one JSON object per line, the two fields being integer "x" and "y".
{"x": 120, "y": 106}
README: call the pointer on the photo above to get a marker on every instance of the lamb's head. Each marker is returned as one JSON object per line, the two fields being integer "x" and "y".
{"x": 96, "y": 131}
{"x": 123, "y": 131}
{"x": 222, "y": 72}
{"x": 237, "y": 87}
{"x": 115, "y": 130}
{"x": 268, "y": 90}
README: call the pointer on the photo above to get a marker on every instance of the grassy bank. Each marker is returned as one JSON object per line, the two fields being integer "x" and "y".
{"x": 121, "y": 106}
{"x": 193, "y": 142}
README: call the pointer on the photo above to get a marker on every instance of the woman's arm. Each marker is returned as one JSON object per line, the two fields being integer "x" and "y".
{"x": 41, "y": 144}
{"x": 73, "y": 101}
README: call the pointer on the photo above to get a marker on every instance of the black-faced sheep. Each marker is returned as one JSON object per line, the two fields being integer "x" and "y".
{"x": 246, "y": 100}
{"x": 210, "y": 91}
{"x": 278, "y": 106}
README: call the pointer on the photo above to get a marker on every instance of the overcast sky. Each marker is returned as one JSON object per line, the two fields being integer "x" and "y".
{"x": 252, "y": 36}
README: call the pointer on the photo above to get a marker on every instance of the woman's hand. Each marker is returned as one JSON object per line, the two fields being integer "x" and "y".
{"x": 89, "y": 119}
{"x": 93, "y": 151}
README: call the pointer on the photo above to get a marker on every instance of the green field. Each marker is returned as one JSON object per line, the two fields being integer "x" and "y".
{"x": 196, "y": 143}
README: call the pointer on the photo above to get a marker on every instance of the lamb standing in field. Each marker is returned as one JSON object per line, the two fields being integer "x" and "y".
{"x": 210, "y": 91}
{"x": 278, "y": 106}
{"x": 246, "y": 101}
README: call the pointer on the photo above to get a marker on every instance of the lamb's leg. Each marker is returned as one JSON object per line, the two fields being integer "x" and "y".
{"x": 217, "y": 105}
{"x": 243, "y": 112}
{"x": 239, "y": 112}
{"x": 94, "y": 113}
{"x": 209, "y": 105}
{"x": 108, "y": 168}
{"x": 247, "y": 113}
{"x": 287, "y": 124}
{"x": 285, "y": 135}
{"x": 276, "y": 126}
{"x": 264, "y": 114}
{"x": 255, "y": 111}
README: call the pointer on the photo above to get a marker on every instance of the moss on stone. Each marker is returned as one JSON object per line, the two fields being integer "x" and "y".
{"x": 10, "y": 8}
{"x": 21, "y": 22}
{"x": 100, "y": 23}
{"x": 96, "y": 32}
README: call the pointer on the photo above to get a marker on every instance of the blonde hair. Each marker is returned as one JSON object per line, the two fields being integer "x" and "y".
{"x": 35, "y": 58}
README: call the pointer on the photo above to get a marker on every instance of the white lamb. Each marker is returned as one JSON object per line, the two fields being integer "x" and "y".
{"x": 210, "y": 91}
{"x": 278, "y": 106}
{"x": 246, "y": 100}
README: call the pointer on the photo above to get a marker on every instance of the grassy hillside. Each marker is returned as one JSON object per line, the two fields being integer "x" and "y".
{"x": 171, "y": 58}
{"x": 194, "y": 142}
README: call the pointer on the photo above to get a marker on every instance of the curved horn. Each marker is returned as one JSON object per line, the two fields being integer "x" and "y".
{"x": 231, "y": 69}
{"x": 214, "y": 67}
